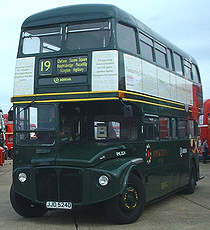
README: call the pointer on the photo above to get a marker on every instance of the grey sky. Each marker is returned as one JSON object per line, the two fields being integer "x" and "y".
{"x": 184, "y": 23}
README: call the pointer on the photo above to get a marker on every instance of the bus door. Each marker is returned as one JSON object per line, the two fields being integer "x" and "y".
{"x": 183, "y": 148}
{"x": 167, "y": 154}
{"x": 153, "y": 171}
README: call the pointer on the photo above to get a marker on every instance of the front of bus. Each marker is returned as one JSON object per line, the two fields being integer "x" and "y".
{"x": 68, "y": 119}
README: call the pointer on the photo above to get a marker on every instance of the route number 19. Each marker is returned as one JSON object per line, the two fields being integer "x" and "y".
{"x": 45, "y": 67}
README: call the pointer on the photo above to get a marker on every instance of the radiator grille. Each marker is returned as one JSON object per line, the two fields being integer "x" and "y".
{"x": 63, "y": 185}
{"x": 46, "y": 184}
{"x": 71, "y": 185}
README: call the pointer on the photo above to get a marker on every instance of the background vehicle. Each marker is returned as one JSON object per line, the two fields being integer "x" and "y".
{"x": 3, "y": 147}
{"x": 9, "y": 136}
{"x": 115, "y": 110}
{"x": 204, "y": 125}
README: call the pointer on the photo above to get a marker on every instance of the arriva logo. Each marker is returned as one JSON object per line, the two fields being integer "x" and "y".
{"x": 56, "y": 80}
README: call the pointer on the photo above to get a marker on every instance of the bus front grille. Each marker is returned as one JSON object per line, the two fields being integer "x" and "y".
{"x": 46, "y": 185}
{"x": 63, "y": 185}
{"x": 71, "y": 185}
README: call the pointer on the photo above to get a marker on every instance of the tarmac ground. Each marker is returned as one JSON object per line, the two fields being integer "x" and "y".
{"x": 177, "y": 212}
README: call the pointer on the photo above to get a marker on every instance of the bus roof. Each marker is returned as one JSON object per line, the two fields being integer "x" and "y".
{"x": 83, "y": 12}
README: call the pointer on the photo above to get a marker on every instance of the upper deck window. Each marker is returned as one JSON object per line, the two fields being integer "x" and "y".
{"x": 170, "y": 55}
{"x": 146, "y": 47}
{"x": 160, "y": 55}
{"x": 126, "y": 38}
{"x": 178, "y": 63}
{"x": 41, "y": 40}
{"x": 195, "y": 74}
{"x": 88, "y": 35}
{"x": 187, "y": 70}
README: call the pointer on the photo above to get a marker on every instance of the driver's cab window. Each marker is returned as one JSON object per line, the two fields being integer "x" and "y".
{"x": 71, "y": 130}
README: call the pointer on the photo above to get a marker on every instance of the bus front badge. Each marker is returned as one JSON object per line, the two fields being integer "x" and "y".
{"x": 148, "y": 154}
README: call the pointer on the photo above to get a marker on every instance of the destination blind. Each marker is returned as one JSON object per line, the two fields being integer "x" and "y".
{"x": 72, "y": 65}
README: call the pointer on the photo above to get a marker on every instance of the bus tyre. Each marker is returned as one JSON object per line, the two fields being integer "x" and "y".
{"x": 25, "y": 207}
{"x": 128, "y": 206}
{"x": 192, "y": 182}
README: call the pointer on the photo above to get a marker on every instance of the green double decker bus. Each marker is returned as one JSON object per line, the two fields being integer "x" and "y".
{"x": 105, "y": 111}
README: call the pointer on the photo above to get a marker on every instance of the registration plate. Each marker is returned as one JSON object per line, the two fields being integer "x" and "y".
{"x": 60, "y": 205}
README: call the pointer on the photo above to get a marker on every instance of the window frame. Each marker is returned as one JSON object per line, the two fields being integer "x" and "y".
{"x": 170, "y": 61}
{"x": 168, "y": 128}
{"x": 173, "y": 128}
{"x": 41, "y": 35}
{"x": 179, "y": 128}
{"x": 180, "y": 62}
{"x": 197, "y": 80}
{"x": 146, "y": 44}
{"x": 122, "y": 121}
{"x": 161, "y": 49}
{"x": 135, "y": 50}
{"x": 155, "y": 136}
{"x": 187, "y": 65}
{"x": 68, "y": 31}
{"x": 191, "y": 128}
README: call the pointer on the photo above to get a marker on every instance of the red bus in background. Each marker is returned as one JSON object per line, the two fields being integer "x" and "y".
{"x": 3, "y": 147}
{"x": 204, "y": 124}
{"x": 9, "y": 135}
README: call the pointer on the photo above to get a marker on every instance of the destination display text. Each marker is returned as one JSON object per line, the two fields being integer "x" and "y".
{"x": 72, "y": 65}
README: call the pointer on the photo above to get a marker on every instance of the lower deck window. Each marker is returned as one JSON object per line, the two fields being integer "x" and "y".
{"x": 125, "y": 129}
{"x": 191, "y": 128}
{"x": 150, "y": 129}
{"x": 182, "y": 128}
{"x": 164, "y": 131}
{"x": 95, "y": 122}
{"x": 173, "y": 128}
{"x": 106, "y": 130}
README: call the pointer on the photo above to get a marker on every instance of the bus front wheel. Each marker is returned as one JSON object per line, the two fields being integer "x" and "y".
{"x": 128, "y": 206}
{"x": 25, "y": 207}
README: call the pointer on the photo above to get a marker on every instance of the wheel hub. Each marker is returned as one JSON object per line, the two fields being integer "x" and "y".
{"x": 130, "y": 199}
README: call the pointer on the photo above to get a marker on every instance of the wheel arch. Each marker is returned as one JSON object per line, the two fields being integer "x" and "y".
{"x": 132, "y": 169}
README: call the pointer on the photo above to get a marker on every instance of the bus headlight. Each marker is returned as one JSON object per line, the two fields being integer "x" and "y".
{"x": 103, "y": 180}
{"x": 22, "y": 177}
